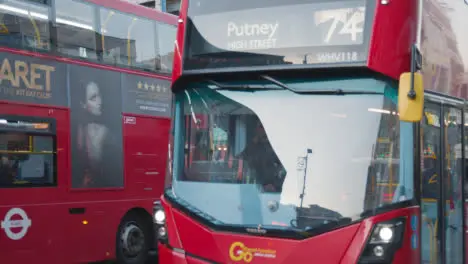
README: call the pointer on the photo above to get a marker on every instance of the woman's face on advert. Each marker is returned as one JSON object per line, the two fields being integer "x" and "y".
{"x": 93, "y": 99}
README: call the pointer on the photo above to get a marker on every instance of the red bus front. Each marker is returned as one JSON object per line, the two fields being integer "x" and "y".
{"x": 288, "y": 143}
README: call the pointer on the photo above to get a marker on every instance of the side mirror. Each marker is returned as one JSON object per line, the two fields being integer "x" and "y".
{"x": 411, "y": 109}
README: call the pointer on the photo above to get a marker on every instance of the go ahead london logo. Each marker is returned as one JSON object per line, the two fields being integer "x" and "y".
{"x": 239, "y": 252}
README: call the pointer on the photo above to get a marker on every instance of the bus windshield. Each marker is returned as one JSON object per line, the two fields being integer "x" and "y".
{"x": 279, "y": 158}
{"x": 241, "y": 33}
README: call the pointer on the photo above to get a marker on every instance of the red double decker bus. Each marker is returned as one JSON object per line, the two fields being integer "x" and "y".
{"x": 84, "y": 124}
{"x": 317, "y": 131}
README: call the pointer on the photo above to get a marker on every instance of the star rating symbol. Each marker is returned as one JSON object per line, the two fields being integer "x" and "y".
{"x": 158, "y": 88}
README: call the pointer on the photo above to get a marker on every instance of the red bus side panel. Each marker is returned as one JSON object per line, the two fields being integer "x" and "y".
{"x": 44, "y": 207}
{"x": 145, "y": 154}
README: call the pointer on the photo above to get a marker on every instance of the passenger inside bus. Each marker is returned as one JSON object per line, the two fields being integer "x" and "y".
{"x": 263, "y": 161}
{"x": 10, "y": 144}
{"x": 246, "y": 155}
{"x": 25, "y": 159}
{"x": 8, "y": 171}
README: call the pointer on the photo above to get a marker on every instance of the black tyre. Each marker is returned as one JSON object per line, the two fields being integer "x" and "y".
{"x": 134, "y": 239}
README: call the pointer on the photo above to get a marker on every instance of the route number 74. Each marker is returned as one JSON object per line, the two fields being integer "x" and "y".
{"x": 344, "y": 21}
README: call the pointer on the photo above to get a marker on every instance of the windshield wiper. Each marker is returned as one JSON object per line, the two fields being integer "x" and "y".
{"x": 280, "y": 84}
{"x": 252, "y": 87}
{"x": 336, "y": 92}
{"x": 327, "y": 223}
{"x": 240, "y": 87}
{"x": 261, "y": 87}
{"x": 274, "y": 230}
{"x": 324, "y": 92}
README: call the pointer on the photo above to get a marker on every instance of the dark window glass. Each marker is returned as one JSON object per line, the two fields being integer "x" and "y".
{"x": 44, "y": 2}
{"x": 453, "y": 126}
{"x": 113, "y": 40}
{"x": 26, "y": 158}
{"x": 142, "y": 34}
{"x": 128, "y": 40}
{"x": 431, "y": 153}
{"x": 150, "y": 4}
{"x": 76, "y": 27}
{"x": 24, "y": 25}
{"x": 166, "y": 37}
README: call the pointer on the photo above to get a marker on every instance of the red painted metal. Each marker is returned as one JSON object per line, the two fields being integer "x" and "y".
{"x": 391, "y": 39}
{"x": 340, "y": 246}
{"x": 169, "y": 256}
{"x": 180, "y": 41}
{"x": 55, "y": 235}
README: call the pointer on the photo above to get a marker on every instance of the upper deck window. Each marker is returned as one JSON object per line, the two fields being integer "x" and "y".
{"x": 166, "y": 37}
{"x": 123, "y": 41}
{"x": 86, "y": 31}
{"x": 25, "y": 25}
{"x": 76, "y": 36}
{"x": 260, "y": 33}
{"x": 136, "y": 42}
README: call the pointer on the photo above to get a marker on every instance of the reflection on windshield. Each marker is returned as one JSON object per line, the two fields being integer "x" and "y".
{"x": 279, "y": 158}
{"x": 255, "y": 163}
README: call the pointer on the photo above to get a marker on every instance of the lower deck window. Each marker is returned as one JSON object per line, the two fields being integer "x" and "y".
{"x": 27, "y": 158}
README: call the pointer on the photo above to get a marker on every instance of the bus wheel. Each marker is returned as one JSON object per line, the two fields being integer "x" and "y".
{"x": 133, "y": 240}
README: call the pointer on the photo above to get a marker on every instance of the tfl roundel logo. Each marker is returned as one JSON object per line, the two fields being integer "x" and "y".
{"x": 16, "y": 224}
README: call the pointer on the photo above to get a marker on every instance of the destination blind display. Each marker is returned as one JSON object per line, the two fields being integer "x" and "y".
{"x": 241, "y": 34}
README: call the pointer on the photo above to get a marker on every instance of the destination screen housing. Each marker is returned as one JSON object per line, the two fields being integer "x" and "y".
{"x": 225, "y": 34}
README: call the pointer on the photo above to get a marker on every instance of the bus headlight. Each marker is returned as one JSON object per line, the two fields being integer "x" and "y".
{"x": 386, "y": 233}
{"x": 385, "y": 239}
{"x": 383, "y": 233}
{"x": 162, "y": 232}
{"x": 160, "y": 217}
